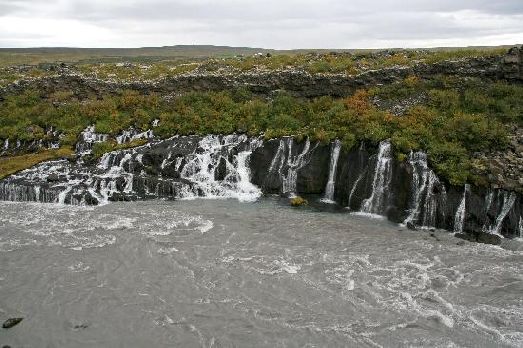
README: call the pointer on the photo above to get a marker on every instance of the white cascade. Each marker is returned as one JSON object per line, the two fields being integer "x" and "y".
{"x": 201, "y": 169}
{"x": 459, "y": 218}
{"x": 354, "y": 187}
{"x": 329, "y": 188}
{"x": 508, "y": 202}
{"x": 488, "y": 203}
{"x": 520, "y": 227}
{"x": 63, "y": 195}
{"x": 287, "y": 166}
{"x": 381, "y": 182}
{"x": 423, "y": 207}
{"x": 88, "y": 138}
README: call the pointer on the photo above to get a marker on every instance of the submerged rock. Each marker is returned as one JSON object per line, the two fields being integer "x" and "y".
{"x": 480, "y": 237}
{"x": 411, "y": 226}
{"x": 9, "y": 323}
{"x": 298, "y": 201}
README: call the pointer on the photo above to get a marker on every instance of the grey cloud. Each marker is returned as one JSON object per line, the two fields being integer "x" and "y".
{"x": 270, "y": 23}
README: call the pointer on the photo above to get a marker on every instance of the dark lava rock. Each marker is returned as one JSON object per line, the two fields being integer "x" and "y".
{"x": 461, "y": 243}
{"x": 80, "y": 326}
{"x": 480, "y": 237}
{"x": 9, "y": 323}
{"x": 53, "y": 177}
{"x": 221, "y": 170}
{"x": 411, "y": 226}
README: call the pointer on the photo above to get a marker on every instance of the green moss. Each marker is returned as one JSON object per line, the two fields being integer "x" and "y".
{"x": 14, "y": 164}
{"x": 99, "y": 149}
{"x": 298, "y": 201}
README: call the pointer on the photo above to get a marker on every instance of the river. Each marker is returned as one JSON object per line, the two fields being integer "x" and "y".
{"x": 222, "y": 273}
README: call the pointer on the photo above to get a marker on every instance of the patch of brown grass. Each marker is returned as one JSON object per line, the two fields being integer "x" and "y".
{"x": 14, "y": 164}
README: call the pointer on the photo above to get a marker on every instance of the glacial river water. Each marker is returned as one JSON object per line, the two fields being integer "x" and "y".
{"x": 220, "y": 273}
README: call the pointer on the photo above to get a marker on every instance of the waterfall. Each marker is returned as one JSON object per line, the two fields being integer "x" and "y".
{"x": 424, "y": 203}
{"x": 354, "y": 187}
{"x": 287, "y": 166}
{"x": 212, "y": 166}
{"x": 131, "y": 134}
{"x": 488, "y": 203}
{"x": 294, "y": 163}
{"x": 380, "y": 184}
{"x": 329, "y": 188}
{"x": 216, "y": 172}
{"x": 459, "y": 218}
{"x": 88, "y": 138}
{"x": 420, "y": 174}
{"x": 520, "y": 227}
{"x": 508, "y": 203}
{"x": 63, "y": 195}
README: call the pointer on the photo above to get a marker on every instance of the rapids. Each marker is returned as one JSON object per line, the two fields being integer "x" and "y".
{"x": 222, "y": 273}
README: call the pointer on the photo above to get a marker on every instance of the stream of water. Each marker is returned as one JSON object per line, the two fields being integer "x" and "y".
{"x": 221, "y": 273}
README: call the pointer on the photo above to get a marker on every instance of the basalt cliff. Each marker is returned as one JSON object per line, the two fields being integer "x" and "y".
{"x": 367, "y": 179}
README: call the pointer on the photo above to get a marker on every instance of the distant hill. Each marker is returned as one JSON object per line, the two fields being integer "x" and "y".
{"x": 9, "y": 56}
{"x": 18, "y": 56}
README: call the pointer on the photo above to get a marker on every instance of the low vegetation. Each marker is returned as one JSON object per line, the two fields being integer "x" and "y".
{"x": 451, "y": 120}
{"x": 14, "y": 164}
{"x": 124, "y": 67}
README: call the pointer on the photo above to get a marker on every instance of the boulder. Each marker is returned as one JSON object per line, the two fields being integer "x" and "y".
{"x": 9, "y": 323}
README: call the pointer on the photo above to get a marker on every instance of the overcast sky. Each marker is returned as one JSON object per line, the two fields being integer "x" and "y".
{"x": 269, "y": 23}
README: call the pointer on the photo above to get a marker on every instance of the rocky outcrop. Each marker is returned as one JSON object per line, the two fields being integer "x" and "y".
{"x": 264, "y": 82}
{"x": 512, "y": 64}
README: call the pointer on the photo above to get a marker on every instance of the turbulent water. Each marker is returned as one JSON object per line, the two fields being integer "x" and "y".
{"x": 220, "y": 273}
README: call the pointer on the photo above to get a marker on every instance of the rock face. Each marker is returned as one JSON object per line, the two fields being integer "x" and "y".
{"x": 504, "y": 168}
{"x": 367, "y": 179}
{"x": 512, "y": 64}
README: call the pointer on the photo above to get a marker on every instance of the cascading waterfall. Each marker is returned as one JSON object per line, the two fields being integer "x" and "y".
{"x": 380, "y": 184}
{"x": 88, "y": 138}
{"x": 420, "y": 173}
{"x": 424, "y": 202}
{"x": 354, "y": 187}
{"x": 360, "y": 177}
{"x": 508, "y": 202}
{"x": 488, "y": 203}
{"x": 329, "y": 188}
{"x": 287, "y": 166}
{"x": 459, "y": 218}
{"x": 217, "y": 160}
{"x": 520, "y": 227}
{"x": 213, "y": 166}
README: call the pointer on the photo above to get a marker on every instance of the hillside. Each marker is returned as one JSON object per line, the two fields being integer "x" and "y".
{"x": 463, "y": 107}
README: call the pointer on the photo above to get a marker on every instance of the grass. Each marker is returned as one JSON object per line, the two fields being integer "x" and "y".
{"x": 14, "y": 164}
{"x": 99, "y": 149}
{"x": 157, "y": 63}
